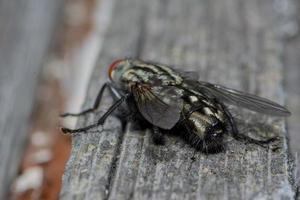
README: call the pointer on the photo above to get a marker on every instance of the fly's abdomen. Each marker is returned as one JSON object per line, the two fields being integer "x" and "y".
{"x": 206, "y": 126}
{"x": 200, "y": 124}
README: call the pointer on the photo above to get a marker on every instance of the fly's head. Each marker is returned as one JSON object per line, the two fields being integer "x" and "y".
{"x": 117, "y": 69}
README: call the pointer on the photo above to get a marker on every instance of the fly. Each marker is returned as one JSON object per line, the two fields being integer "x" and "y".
{"x": 168, "y": 99}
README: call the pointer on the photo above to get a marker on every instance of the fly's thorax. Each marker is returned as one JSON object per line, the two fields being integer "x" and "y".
{"x": 128, "y": 71}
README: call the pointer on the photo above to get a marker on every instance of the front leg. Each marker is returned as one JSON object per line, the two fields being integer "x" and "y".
{"x": 102, "y": 119}
{"x": 137, "y": 122}
{"x": 113, "y": 92}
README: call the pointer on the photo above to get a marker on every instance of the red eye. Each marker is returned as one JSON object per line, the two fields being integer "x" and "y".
{"x": 113, "y": 66}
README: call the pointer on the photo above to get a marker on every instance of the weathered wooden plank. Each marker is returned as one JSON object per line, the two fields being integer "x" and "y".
{"x": 26, "y": 29}
{"x": 292, "y": 78}
{"x": 80, "y": 181}
{"x": 231, "y": 42}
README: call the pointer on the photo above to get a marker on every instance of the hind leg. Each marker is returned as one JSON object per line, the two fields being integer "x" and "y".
{"x": 240, "y": 137}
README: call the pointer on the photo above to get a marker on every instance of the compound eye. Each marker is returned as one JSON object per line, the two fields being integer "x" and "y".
{"x": 113, "y": 67}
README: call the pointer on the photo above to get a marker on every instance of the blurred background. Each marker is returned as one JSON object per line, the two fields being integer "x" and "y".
{"x": 47, "y": 53}
{"x": 47, "y": 50}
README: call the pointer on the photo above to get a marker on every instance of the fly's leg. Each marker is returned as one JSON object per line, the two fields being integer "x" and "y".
{"x": 241, "y": 137}
{"x": 157, "y": 136}
{"x": 102, "y": 119}
{"x": 138, "y": 125}
{"x": 96, "y": 104}
{"x": 137, "y": 122}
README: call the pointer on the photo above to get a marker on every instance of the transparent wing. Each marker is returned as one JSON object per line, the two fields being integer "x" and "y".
{"x": 241, "y": 99}
{"x": 188, "y": 75}
{"x": 159, "y": 105}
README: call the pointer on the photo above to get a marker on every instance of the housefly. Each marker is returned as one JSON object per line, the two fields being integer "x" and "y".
{"x": 170, "y": 99}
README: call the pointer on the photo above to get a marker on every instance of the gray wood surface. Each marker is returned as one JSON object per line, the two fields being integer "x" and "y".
{"x": 26, "y": 28}
{"x": 233, "y": 42}
{"x": 292, "y": 81}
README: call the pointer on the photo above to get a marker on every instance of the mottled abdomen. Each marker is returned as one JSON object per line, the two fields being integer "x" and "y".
{"x": 204, "y": 126}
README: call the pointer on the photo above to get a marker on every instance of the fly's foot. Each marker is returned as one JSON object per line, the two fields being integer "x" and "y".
{"x": 193, "y": 158}
{"x": 157, "y": 136}
{"x": 65, "y": 130}
{"x": 275, "y": 144}
{"x": 262, "y": 143}
{"x": 137, "y": 123}
{"x": 159, "y": 140}
{"x": 135, "y": 127}
{"x": 84, "y": 112}
{"x": 68, "y": 131}
{"x": 68, "y": 115}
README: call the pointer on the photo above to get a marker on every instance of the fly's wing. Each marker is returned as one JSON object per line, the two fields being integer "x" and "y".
{"x": 241, "y": 99}
{"x": 188, "y": 75}
{"x": 160, "y": 105}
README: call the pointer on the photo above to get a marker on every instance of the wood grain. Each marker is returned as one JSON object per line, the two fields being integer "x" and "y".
{"x": 291, "y": 72}
{"x": 231, "y": 42}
